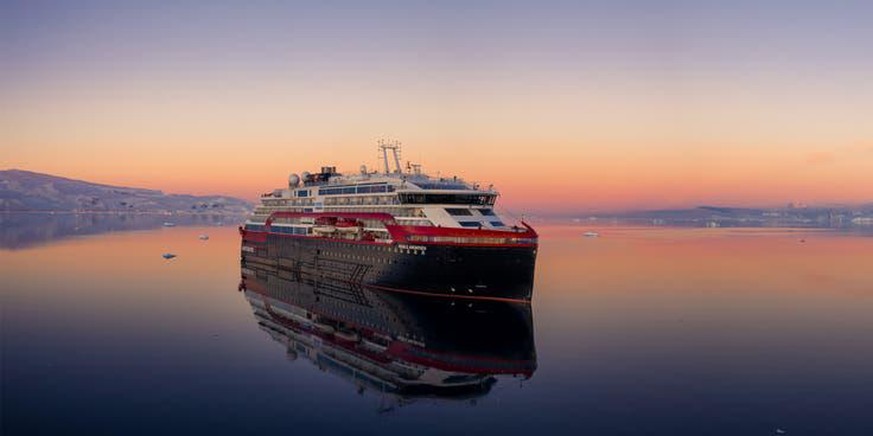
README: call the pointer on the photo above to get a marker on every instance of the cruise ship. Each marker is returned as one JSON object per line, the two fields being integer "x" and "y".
{"x": 396, "y": 229}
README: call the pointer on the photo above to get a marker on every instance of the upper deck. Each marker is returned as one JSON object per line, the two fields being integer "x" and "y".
{"x": 411, "y": 196}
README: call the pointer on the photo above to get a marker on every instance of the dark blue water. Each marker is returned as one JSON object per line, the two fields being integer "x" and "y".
{"x": 640, "y": 331}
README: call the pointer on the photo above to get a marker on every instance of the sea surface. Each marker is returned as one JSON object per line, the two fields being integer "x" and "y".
{"x": 640, "y": 331}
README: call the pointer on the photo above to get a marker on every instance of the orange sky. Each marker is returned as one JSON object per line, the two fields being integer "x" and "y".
{"x": 630, "y": 112}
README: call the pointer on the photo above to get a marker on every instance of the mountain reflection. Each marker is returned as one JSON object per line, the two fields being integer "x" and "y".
{"x": 23, "y": 230}
{"x": 401, "y": 345}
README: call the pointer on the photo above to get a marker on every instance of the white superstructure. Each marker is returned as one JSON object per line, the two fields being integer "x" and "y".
{"x": 410, "y": 196}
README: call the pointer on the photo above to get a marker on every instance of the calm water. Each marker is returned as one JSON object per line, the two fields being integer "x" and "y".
{"x": 640, "y": 331}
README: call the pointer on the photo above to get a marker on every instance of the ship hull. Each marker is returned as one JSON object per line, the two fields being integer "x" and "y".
{"x": 466, "y": 271}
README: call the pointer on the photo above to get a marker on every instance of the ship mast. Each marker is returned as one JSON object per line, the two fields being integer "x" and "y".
{"x": 394, "y": 146}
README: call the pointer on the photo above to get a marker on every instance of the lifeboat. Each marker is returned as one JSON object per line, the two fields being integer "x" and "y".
{"x": 325, "y": 225}
{"x": 348, "y": 225}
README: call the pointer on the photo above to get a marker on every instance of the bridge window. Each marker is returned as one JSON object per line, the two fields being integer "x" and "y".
{"x": 468, "y": 199}
{"x": 442, "y": 185}
{"x": 360, "y": 189}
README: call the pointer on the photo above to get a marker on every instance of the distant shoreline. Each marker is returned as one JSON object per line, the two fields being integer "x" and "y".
{"x": 125, "y": 212}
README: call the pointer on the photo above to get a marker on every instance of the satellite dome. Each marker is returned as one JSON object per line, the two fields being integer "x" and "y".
{"x": 293, "y": 180}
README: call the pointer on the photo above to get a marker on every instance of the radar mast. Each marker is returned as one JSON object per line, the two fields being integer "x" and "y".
{"x": 394, "y": 146}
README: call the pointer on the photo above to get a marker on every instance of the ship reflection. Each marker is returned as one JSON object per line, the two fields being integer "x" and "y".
{"x": 400, "y": 345}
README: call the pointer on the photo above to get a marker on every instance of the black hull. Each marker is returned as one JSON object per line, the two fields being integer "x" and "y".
{"x": 489, "y": 272}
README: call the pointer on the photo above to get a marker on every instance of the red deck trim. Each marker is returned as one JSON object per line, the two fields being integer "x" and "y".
{"x": 528, "y": 232}
{"x": 259, "y": 236}
{"x": 401, "y": 233}
{"x": 384, "y": 217}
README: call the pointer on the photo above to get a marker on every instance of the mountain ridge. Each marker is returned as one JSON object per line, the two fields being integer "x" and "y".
{"x": 30, "y": 191}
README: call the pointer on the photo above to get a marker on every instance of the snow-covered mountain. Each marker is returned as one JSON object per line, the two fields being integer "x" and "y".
{"x": 29, "y": 191}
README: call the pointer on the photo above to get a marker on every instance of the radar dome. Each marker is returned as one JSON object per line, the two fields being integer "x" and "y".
{"x": 293, "y": 181}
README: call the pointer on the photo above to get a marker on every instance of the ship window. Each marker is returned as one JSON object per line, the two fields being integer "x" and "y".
{"x": 442, "y": 185}
{"x": 496, "y": 223}
{"x": 471, "y": 224}
{"x": 303, "y": 193}
{"x": 370, "y": 189}
{"x": 486, "y": 212}
{"x": 360, "y": 189}
{"x": 459, "y": 212}
{"x": 473, "y": 199}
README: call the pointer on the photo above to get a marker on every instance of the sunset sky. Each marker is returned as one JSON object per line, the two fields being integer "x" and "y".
{"x": 576, "y": 105}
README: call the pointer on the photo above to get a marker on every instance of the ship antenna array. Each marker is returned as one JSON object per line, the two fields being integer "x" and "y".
{"x": 394, "y": 146}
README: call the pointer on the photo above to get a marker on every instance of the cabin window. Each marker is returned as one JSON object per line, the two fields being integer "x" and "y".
{"x": 471, "y": 224}
{"x": 459, "y": 212}
{"x": 487, "y": 212}
{"x": 496, "y": 223}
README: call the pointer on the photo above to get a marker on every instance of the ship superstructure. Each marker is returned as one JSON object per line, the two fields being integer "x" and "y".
{"x": 373, "y": 216}
{"x": 409, "y": 196}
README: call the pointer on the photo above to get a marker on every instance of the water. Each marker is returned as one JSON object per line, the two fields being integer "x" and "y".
{"x": 639, "y": 331}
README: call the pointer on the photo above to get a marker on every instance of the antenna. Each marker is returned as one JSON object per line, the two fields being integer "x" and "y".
{"x": 394, "y": 146}
{"x": 384, "y": 147}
